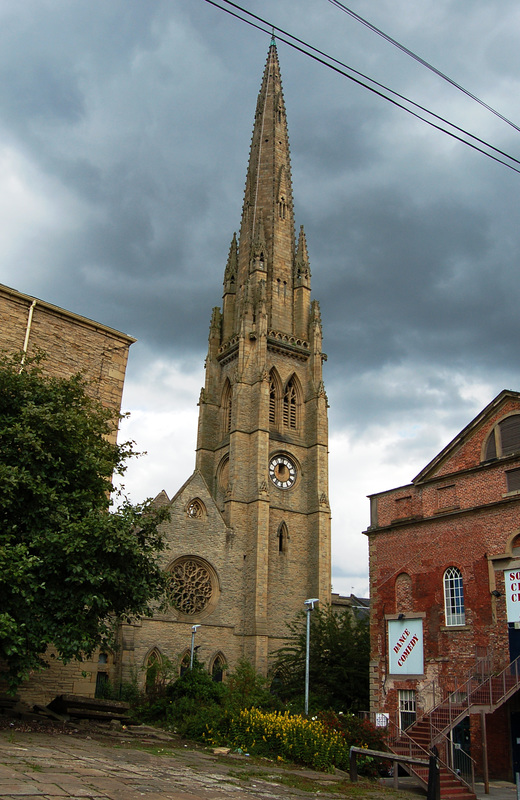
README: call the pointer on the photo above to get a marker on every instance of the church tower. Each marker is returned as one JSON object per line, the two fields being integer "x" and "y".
{"x": 248, "y": 539}
{"x": 262, "y": 446}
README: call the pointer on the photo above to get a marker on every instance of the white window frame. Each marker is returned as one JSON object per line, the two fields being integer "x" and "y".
{"x": 407, "y": 707}
{"x": 454, "y": 613}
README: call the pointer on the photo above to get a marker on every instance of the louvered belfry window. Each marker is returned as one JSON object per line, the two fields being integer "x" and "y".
{"x": 491, "y": 446}
{"x": 227, "y": 407}
{"x": 272, "y": 402}
{"x": 504, "y": 439}
{"x": 510, "y": 434}
{"x": 513, "y": 480}
{"x": 289, "y": 405}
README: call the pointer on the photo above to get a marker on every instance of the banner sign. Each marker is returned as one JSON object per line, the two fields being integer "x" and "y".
{"x": 512, "y": 584}
{"x": 405, "y": 646}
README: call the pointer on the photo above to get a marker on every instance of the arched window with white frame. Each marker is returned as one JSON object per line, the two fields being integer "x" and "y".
{"x": 454, "y": 597}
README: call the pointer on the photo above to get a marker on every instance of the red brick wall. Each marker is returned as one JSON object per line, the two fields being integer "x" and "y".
{"x": 467, "y": 520}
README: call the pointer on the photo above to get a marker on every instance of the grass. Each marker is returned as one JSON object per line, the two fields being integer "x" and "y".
{"x": 34, "y": 767}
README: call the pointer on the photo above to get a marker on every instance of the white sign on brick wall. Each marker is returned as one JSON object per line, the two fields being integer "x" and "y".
{"x": 405, "y": 646}
{"x": 512, "y": 584}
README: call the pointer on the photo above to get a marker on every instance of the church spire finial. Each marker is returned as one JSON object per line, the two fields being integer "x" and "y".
{"x": 268, "y": 195}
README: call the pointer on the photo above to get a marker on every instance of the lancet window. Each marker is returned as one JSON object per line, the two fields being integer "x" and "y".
{"x": 283, "y": 538}
{"x": 274, "y": 399}
{"x": 227, "y": 407}
{"x": 290, "y": 404}
{"x": 217, "y": 667}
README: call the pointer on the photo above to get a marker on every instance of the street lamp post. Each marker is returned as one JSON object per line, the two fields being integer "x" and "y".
{"x": 193, "y": 631}
{"x": 309, "y": 605}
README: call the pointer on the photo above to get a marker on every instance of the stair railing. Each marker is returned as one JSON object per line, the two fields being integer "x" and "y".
{"x": 491, "y": 692}
{"x": 454, "y": 759}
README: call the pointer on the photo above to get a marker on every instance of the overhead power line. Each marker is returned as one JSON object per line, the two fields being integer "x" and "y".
{"x": 334, "y": 64}
{"x": 420, "y": 60}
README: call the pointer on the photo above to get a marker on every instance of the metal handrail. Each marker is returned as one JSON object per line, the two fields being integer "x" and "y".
{"x": 463, "y": 771}
{"x": 482, "y": 668}
{"x": 492, "y": 691}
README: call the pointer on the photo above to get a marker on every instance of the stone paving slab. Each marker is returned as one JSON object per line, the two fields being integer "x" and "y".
{"x": 37, "y": 766}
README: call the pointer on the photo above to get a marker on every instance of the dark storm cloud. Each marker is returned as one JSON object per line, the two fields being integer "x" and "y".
{"x": 124, "y": 137}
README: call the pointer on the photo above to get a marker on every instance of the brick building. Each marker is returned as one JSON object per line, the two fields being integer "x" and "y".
{"x": 71, "y": 343}
{"x": 249, "y": 537}
{"x": 445, "y": 588}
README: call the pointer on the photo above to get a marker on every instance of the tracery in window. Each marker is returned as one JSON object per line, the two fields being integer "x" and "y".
{"x": 195, "y": 509}
{"x": 191, "y": 585}
{"x": 290, "y": 404}
{"x": 454, "y": 597}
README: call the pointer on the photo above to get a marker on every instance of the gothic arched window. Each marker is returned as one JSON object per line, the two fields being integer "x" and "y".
{"x": 217, "y": 668}
{"x": 274, "y": 399}
{"x": 152, "y": 669}
{"x": 454, "y": 597}
{"x": 283, "y": 538}
{"x": 185, "y": 662}
{"x": 227, "y": 407}
{"x": 290, "y": 404}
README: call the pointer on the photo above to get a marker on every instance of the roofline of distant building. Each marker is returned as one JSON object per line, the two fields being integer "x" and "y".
{"x": 6, "y": 290}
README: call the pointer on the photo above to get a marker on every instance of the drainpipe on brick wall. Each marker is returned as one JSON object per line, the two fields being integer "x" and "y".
{"x": 27, "y": 334}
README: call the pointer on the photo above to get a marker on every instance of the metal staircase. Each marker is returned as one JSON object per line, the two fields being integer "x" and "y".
{"x": 478, "y": 693}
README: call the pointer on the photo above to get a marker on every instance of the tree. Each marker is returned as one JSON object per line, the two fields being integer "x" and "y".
{"x": 71, "y": 565}
{"x": 338, "y": 661}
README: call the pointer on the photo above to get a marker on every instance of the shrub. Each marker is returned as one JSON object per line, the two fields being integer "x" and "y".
{"x": 290, "y": 737}
{"x": 357, "y": 732}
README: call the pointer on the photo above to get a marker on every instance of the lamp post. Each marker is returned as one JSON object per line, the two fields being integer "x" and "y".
{"x": 309, "y": 605}
{"x": 193, "y": 631}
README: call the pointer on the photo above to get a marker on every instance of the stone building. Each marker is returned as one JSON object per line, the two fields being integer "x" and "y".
{"x": 249, "y": 537}
{"x": 71, "y": 344}
{"x": 445, "y": 589}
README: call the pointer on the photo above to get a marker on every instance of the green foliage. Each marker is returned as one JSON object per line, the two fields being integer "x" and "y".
{"x": 247, "y": 688}
{"x": 199, "y": 708}
{"x": 288, "y": 737}
{"x": 194, "y": 703}
{"x": 338, "y": 662}
{"x": 70, "y": 565}
{"x": 357, "y": 732}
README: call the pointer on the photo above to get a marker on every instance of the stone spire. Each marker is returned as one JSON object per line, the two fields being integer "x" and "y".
{"x": 267, "y": 227}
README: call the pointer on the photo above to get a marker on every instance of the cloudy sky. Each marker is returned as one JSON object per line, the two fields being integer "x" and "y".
{"x": 124, "y": 136}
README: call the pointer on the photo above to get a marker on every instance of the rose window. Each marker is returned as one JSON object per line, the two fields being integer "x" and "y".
{"x": 190, "y": 586}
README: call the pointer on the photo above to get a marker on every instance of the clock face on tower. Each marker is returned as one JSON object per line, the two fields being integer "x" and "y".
{"x": 282, "y": 471}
